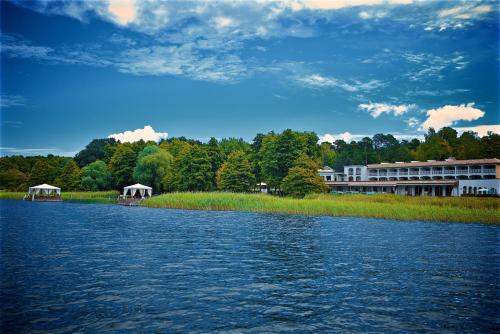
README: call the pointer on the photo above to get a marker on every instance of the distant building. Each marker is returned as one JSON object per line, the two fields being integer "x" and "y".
{"x": 433, "y": 178}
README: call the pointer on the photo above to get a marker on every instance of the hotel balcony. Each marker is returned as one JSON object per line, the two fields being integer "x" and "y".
{"x": 434, "y": 173}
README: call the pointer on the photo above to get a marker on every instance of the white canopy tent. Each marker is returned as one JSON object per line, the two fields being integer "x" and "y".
{"x": 142, "y": 189}
{"x": 44, "y": 190}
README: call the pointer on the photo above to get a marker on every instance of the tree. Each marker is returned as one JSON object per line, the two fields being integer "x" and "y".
{"x": 96, "y": 176}
{"x": 192, "y": 171}
{"x": 278, "y": 155}
{"x": 328, "y": 155}
{"x": 95, "y": 150}
{"x": 42, "y": 172}
{"x": 69, "y": 178}
{"x": 236, "y": 174}
{"x": 12, "y": 179}
{"x": 303, "y": 178}
{"x": 434, "y": 148}
{"x": 229, "y": 145}
{"x": 215, "y": 156}
{"x": 152, "y": 166}
{"x": 122, "y": 165}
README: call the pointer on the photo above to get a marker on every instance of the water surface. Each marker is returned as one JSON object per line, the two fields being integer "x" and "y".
{"x": 68, "y": 267}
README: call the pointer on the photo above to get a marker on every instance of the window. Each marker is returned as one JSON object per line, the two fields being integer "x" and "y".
{"x": 464, "y": 190}
{"x": 350, "y": 171}
{"x": 328, "y": 178}
{"x": 358, "y": 171}
{"x": 358, "y": 178}
{"x": 350, "y": 178}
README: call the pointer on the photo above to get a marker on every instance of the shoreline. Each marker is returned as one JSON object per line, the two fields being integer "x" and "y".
{"x": 438, "y": 209}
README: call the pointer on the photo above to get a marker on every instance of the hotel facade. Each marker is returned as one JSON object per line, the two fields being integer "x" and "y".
{"x": 417, "y": 178}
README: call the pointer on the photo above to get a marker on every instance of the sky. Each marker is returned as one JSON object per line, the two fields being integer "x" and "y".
{"x": 75, "y": 71}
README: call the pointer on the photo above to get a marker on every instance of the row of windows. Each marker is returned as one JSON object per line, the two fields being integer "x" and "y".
{"x": 474, "y": 190}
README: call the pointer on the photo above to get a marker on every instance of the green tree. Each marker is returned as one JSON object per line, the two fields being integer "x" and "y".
{"x": 96, "y": 176}
{"x": 192, "y": 171}
{"x": 95, "y": 150}
{"x": 152, "y": 166}
{"x": 215, "y": 155}
{"x": 12, "y": 179}
{"x": 328, "y": 155}
{"x": 69, "y": 178}
{"x": 229, "y": 145}
{"x": 236, "y": 174}
{"x": 278, "y": 155}
{"x": 42, "y": 172}
{"x": 303, "y": 178}
{"x": 122, "y": 165}
{"x": 434, "y": 148}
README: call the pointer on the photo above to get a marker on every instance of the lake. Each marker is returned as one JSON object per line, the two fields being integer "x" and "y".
{"x": 68, "y": 267}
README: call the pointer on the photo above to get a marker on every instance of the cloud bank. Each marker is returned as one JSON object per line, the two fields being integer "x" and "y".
{"x": 146, "y": 134}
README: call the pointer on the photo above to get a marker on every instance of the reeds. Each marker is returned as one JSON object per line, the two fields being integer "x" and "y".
{"x": 81, "y": 196}
{"x": 481, "y": 210}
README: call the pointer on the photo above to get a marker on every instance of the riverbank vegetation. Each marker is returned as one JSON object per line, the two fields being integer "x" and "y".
{"x": 77, "y": 196}
{"x": 481, "y": 210}
{"x": 287, "y": 162}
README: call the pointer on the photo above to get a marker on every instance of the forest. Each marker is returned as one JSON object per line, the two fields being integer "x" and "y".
{"x": 286, "y": 161}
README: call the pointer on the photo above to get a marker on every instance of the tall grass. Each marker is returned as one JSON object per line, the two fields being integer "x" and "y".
{"x": 482, "y": 210}
{"x": 80, "y": 196}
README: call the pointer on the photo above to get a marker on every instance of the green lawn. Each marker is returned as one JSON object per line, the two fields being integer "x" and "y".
{"x": 467, "y": 209}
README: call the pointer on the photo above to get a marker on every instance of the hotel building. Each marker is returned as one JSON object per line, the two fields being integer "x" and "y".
{"x": 433, "y": 178}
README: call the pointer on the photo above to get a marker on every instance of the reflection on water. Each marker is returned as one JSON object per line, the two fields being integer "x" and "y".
{"x": 69, "y": 267}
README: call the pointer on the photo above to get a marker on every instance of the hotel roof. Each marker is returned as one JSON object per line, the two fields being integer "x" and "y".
{"x": 436, "y": 163}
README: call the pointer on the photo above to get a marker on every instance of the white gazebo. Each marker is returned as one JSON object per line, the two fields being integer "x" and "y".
{"x": 137, "y": 188}
{"x": 45, "y": 191}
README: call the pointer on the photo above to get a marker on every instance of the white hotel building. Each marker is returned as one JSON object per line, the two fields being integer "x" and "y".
{"x": 433, "y": 178}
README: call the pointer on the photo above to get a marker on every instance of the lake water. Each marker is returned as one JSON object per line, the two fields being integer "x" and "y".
{"x": 68, "y": 267}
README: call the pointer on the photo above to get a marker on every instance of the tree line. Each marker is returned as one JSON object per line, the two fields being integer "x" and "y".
{"x": 287, "y": 162}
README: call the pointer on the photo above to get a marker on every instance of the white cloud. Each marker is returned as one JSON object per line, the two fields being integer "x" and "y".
{"x": 372, "y": 14}
{"x": 430, "y": 66}
{"x": 458, "y": 17}
{"x": 481, "y": 130}
{"x": 222, "y": 22}
{"x": 412, "y": 122}
{"x": 377, "y": 109}
{"x": 122, "y": 12}
{"x": 319, "y": 81}
{"x": 146, "y": 134}
{"x": 339, "y": 4}
{"x": 346, "y": 136}
{"x": 182, "y": 61}
{"x": 449, "y": 115}
{"x": 8, "y": 101}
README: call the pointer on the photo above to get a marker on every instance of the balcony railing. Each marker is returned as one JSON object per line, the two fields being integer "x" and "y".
{"x": 437, "y": 172}
{"x": 489, "y": 171}
{"x": 392, "y": 173}
{"x": 403, "y": 173}
{"x": 475, "y": 170}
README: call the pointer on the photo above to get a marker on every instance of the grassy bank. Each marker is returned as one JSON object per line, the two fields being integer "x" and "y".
{"x": 483, "y": 210}
{"x": 77, "y": 196}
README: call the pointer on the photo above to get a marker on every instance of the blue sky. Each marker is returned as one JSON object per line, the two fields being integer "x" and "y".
{"x": 74, "y": 71}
